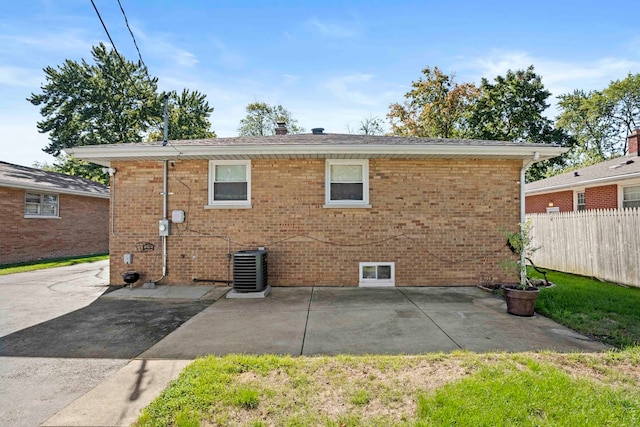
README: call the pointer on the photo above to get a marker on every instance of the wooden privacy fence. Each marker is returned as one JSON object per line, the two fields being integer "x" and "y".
{"x": 599, "y": 243}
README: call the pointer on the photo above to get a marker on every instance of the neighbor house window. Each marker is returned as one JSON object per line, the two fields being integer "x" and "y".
{"x": 631, "y": 196}
{"x": 40, "y": 205}
{"x": 581, "y": 203}
{"x": 377, "y": 274}
{"x": 230, "y": 183}
{"x": 347, "y": 183}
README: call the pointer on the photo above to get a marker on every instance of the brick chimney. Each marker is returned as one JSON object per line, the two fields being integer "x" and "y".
{"x": 632, "y": 142}
{"x": 281, "y": 129}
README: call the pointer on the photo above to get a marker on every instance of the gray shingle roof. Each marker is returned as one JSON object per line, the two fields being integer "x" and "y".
{"x": 324, "y": 145}
{"x": 335, "y": 139}
{"x": 17, "y": 176}
{"x": 611, "y": 170}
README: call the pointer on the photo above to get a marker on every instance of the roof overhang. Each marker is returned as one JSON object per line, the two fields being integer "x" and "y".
{"x": 105, "y": 154}
{"x": 51, "y": 189}
{"x": 582, "y": 184}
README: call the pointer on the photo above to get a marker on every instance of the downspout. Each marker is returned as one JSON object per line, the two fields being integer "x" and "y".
{"x": 165, "y": 203}
{"x": 165, "y": 194}
{"x": 523, "y": 216}
{"x": 165, "y": 176}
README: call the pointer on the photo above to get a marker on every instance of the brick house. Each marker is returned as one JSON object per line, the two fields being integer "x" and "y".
{"x": 50, "y": 215}
{"x": 330, "y": 209}
{"x": 612, "y": 184}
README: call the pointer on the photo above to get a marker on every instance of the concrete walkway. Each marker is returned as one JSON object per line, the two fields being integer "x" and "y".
{"x": 316, "y": 321}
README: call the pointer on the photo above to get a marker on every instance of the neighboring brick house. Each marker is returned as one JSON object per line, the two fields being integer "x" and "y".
{"x": 50, "y": 215}
{"x": 613, "y": 184}
{"x": 331, "y": 209}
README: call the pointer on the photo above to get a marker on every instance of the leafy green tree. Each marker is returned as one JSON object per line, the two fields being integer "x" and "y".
{"x": 188, "y": 117}
{"x": 588, "y": 118}
{"x": 623, "y": 97}
{"x": 600, "y": 121}
{"x": 435, "y": 107}
{"x": 511, "y": 109}
{"x": 262, "y": 119}
{"x": 110, "y": 101}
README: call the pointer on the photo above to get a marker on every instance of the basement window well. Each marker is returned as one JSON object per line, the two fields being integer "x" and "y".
{"x": 374, "y": 274}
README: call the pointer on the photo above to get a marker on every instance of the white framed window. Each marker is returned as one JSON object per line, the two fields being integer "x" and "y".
{"x": 631, "y": 196}
{"x": 347, "y": 183}
{"x": 229, "y": 184}
{"x": 377, "y": 274}
{"x": 38, "y": 205}
{"x": 581, "y": 201}
{"x": 553, "y": 209}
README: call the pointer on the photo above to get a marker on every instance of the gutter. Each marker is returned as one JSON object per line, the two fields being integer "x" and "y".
{"x": 145, "y": 151}
{"x": 561, "y": 187}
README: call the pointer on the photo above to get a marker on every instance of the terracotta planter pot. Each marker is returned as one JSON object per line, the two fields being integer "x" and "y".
{"x": 520, "y": 302}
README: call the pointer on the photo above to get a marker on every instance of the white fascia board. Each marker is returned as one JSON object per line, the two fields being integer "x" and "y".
{"x": 52, "y": 190}
{"x": 582, "y": 184}
{"x": 172, "y": 152}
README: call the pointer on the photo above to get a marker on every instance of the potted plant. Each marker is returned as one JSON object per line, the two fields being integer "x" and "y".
{"x": 521, "y": 297}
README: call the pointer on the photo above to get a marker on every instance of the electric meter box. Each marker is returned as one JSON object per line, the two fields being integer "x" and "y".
{"x": 163, "y": 227}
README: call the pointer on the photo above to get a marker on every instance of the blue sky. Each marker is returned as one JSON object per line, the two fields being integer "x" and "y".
{"x": 330, "y": 63}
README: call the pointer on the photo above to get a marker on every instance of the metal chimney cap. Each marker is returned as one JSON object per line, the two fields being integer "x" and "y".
{"x": 317, "y": 131}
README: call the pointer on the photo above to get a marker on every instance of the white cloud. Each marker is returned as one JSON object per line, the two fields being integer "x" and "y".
{"x": 56, "y": 40}
{"x": 353, "y": 88}
{"x": 21, "y": 143}
{"x": 332, "y": 29}
{"x": 558, "y": 76}
{"x": 159, "y": 46}
{"x": 24, "y": 77}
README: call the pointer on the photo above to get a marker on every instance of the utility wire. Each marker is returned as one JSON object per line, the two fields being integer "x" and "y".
{"x": 124, "y": 66}
{"x": 126, "y": 21}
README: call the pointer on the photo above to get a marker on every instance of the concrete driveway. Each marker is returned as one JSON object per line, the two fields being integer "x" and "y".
{"x": 58, "y": 339}
{"x": 34, "y": 388}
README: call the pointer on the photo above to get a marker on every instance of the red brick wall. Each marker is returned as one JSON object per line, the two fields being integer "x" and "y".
{"x": 540, "y": 202}
{"x": 440, "y": 221}
{"x": 603, "y": 197}
{"x": 83, "y": 228}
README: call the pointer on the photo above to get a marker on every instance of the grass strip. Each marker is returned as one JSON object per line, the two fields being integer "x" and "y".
{"x": 603, "y": 310}
{"x": 49, "y": 263}
{"x": 461, "y": 388}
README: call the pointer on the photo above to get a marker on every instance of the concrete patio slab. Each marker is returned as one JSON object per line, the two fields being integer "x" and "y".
{"x": 280, "y": 299}
{"x": 325, "y": 320}
{"x": 373, "y": 331}
{"x": 340, "y": 299}
{"x": 226, "y": 331}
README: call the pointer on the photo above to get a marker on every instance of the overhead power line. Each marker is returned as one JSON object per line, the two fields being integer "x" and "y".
{"x": 124, "y": 66}
{"x": 126, "y": 21}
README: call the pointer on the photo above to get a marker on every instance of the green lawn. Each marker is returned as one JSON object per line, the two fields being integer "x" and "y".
{"x": 607, "y": 312}
{"x": 463, "y": 389}
{"x": 49, "y": 263}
